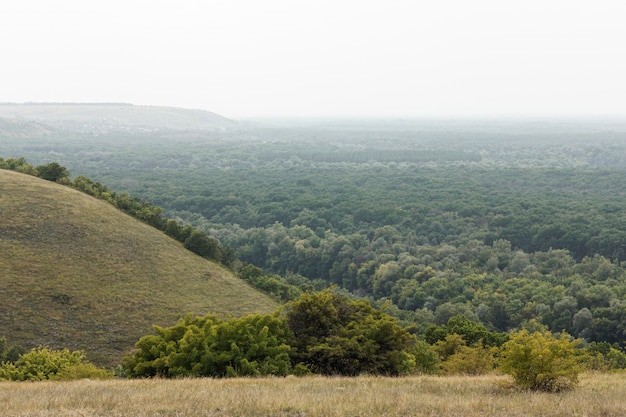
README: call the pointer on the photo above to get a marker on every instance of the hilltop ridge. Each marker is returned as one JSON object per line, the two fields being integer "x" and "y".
{"x": 103, "y": 117}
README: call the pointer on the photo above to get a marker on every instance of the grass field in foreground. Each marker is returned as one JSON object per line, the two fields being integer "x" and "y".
{"x": 597, "y": 395}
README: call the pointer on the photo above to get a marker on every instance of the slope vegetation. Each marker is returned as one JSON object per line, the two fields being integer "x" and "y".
{"x": 75, "y": 272}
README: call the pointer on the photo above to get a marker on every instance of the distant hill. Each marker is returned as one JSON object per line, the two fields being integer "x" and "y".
{"x": 24, "y": 129}
{"x": 75, "y": 272}
{"x": 105, "y": 117}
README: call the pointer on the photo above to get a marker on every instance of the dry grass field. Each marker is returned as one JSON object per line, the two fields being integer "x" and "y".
{"x": 597, "y": 395}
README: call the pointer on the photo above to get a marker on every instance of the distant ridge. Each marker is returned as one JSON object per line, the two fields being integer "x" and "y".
{"x": 115, "y": 116}
{"x": 76, "y": 272}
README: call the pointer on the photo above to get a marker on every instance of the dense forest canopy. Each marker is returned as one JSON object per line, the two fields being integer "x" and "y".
{"x": 504, "y": 221}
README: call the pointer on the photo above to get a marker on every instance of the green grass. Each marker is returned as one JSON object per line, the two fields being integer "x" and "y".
{"x": 75, "y": 272}
{"x": 598, "y": 395}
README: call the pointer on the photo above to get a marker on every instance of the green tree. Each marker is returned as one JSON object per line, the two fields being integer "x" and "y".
{"x": 52, "y": 172}
{"x": 541, "y": 361}
{"x": 203, "y": 245}
{"x": 334, "y": 335}
{"x": 9, "y": 353}
{"x": 471, "y": 332}
{"x": 426, "y": 359}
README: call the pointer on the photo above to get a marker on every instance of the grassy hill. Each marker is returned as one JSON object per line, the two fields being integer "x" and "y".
{"x": 75, "y": 272}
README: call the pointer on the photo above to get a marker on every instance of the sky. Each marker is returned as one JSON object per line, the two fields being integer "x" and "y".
{"x": 341, "y": 58}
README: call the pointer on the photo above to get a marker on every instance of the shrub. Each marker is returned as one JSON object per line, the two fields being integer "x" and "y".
{"x": 44, "y": 363}
{"x": 252, "y": 345}
{"x": 333, "y": 335}
{"x": 426, "y": 359}
{"x": 52, "y": 172}
{"x": 540, "y": 361}
{"x": 470, "y": 360}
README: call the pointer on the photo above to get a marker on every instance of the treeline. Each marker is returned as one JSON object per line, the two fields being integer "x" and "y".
{"x": 502, "y": 287}
{"x": 194, "y": 240}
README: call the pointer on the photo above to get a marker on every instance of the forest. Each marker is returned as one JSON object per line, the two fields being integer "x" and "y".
{"x": 503, "y": 221}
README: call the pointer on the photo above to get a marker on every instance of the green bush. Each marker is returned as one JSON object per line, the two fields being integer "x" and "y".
{"x": 334, "y": 335}
{"x": 43, "y": 363}
{"x": 540, "y": 361}
{"x": 253, "y": 345}
{"x": 9, "y": 353}
{"x": 426, "y": 359}
{"x": 470, "y": 360}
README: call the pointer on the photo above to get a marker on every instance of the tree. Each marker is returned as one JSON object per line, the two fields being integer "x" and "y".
{"x": 203, "y": 245}
{"x": 471, "y": 332}
{"x": 540, "y": 361}
{"x": 9, "y": 353}
{"x": 52, "y": 172}
{"x": 334, "y": 335}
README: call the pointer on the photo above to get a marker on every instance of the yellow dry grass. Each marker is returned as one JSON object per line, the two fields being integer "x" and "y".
{"x": 598, "y": 395}
{"x": 76, "y": 272}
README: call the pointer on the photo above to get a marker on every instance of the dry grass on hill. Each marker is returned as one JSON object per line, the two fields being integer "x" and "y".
{"x": 75, "y": 272}
{"x": 598, "y": 395}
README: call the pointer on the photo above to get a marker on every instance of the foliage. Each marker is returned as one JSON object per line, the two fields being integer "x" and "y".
{"x": 44, "y": 363}
{"x": 604, "y": 356}
{"x": 322, "y": 332}
{"x": 504, "y": 221}
{"x": 18, "y": 165}
{"x": 470, "y": 331}
{"x": 426, "y": 358}
{"x": 9, "y": 353}
{"x": 52, "y": 172}
{"x": 273, "y": 284}
{"x": 334, "y": 335}
{"x": 541, "y": 361}
{"x": 207, "y": 346}
{"x": 458, "y": 358}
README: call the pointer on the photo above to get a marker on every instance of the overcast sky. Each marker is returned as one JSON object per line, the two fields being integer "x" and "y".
{"x": 258, "y": 58}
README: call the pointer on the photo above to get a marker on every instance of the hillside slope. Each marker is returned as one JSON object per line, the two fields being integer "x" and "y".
{"x": 75, "y": 272}
{"x": 114, "y": 116}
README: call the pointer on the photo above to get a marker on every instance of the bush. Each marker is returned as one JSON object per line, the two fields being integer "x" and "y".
{"x": 52, "y": 172}
{"x": 44, "y": 363}
{"x": 426, "y": 359}
{"x": 470, "y": 360}
{"x": 252, "y": 345}
{"x": 540, "y": 361}
{"x": 333, "y": 335}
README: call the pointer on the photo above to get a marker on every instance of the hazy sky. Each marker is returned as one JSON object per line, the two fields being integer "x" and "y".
{"x": 386, "y": 58}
